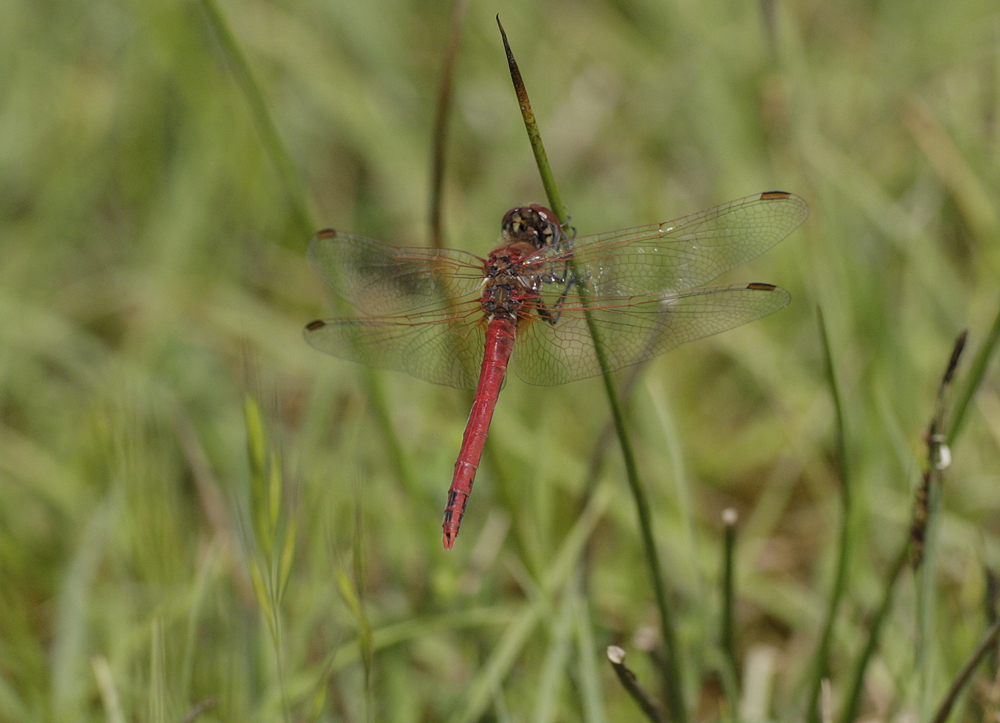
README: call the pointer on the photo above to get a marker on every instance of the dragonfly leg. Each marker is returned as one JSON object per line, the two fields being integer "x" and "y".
{"x": 546, "y": 312}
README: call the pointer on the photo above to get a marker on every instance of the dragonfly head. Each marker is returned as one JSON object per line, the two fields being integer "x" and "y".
{"x": 535, "y": 224}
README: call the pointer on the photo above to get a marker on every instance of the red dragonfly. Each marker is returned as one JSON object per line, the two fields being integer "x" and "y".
{"x": 453, "y": 318}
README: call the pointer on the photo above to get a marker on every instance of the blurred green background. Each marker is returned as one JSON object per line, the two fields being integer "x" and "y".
{"x": 152, "y": 274}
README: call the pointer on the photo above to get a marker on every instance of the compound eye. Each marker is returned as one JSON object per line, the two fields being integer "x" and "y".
{"x": 548, "y": 226}
{"x": 512, "y": 221}
{"x": 534, "y": 224}
{"x": 547, "y": 215}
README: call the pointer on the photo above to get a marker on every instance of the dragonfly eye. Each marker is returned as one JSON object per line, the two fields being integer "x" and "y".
{"x": 535, "y": 224}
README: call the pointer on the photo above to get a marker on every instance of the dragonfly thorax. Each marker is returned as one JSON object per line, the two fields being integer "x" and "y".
{"x": 508, "y": 280}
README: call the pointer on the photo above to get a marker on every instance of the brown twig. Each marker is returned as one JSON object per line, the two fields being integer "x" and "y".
{"x": 958, "y": 684}
{"x": 938, "y": 456}
{"x": 650, "y": 706}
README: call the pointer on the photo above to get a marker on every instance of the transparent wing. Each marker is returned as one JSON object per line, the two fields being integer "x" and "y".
{"x": 427, "y": 319}
{"x": 384, "y": 280}
{"x": 443, "y": 346}
{"x": 633, "y": 330}
{"x": 679, "y": 254}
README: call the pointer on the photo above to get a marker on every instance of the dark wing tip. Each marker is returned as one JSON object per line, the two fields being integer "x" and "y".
{"x": 314, "y": 325}
{"x": 326, "y": 233}
{"x": 756, "y": 286}
{"x": 774, "y": 195}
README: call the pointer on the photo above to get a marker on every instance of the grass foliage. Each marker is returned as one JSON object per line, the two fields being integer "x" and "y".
{"x": 202, "y": 518}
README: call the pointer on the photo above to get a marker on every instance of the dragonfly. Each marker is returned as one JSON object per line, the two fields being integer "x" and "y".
{"x": 553, "y": 307}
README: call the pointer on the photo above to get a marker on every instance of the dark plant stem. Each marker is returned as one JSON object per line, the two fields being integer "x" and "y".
{"x": 534, "y": 135}
{"x": 728, "y": 627}
{"x": 852, "y": 701}
{"x": 958, "y": 684}
{"x": 649, "y": 705}
{"x": 938, "y": 455}
{"x": 729, "y": 668}
{"x": 927, "y": 512}
{"x": 441, "y": 122}
{"x": 672, "y": 670}
{"x": 673, "y": 689}
{"x": 843, "y": 544}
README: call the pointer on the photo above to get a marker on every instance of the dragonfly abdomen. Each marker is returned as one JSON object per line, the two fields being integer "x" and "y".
{"x": 500, "y": 333}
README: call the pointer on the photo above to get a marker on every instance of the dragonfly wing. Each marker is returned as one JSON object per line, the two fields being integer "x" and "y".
{"x": 683, "y": 253}
{"x": 437, "y": 347}
{"x": 384, "y": 280}
{"x": 633, "y": 330}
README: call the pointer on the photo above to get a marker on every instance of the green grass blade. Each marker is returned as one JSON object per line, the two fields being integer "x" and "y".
{"x": 286, "y": 562}
{"x": 821, "y": 658}
{"x": 504, "y": 654}
{"x": 351, "y": 596}
{"x": 109, "y": 690}
{"x": 290, "y": 176}
{"x": 556, "y": 659}
{"x": 588, "y": 677}
{"x": 69, "y": 644}
{"x": 158, "y": 700}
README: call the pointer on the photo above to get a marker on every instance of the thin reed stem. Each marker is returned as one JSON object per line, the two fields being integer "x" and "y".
{"x": 843, "y": 544}
{"x": 534, "y": 135}
{"x": 729, "y": 672}
{"x": 673, "y": 688}
{"x": 442, "y": 116}
{"x": 965, "y": 674}
{"x": 852, "y": 701}
{"x": 728, "y": 625}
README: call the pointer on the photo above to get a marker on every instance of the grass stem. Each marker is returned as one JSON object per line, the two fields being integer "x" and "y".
{"x": 442, "y": 116}
{"x": 727, "y": 625}
{"x": 852, "y": 701}
{"x": 987, "y": 644}
{"x": 819, "y": 669}
{"x": 673, "y": 688}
